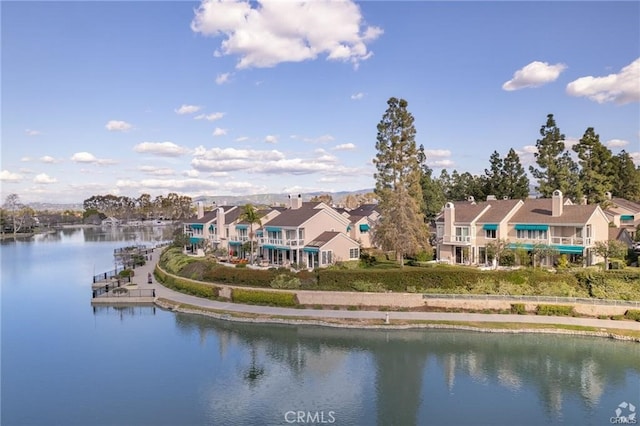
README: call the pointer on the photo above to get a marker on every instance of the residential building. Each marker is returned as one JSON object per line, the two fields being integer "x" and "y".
{"x": 623, "y": 213}
{"x": 465, "y": 229}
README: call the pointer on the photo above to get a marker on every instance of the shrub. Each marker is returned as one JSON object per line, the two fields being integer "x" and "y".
{"x": 563, "y": 262}
{"x": 555, "y": 310}
{"x": 285, "y": 281}
{"x": 632, "y": 314}
{"x": 367, "y": 286}
{"x": 126, "y": 273}
{"x": 258, "y": 297}
{"x": 617, "y": 263}
{"x": 195, "y": 289}
{"x": 241, "y": 265}
{"x": 518, "y": 308}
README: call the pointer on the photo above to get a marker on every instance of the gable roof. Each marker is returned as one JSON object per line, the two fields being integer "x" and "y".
{"x": 538, "y": 210}
{"x": 327, "y": 237}
{"x": 364, "y": 210}
{"x": 294, "y": 217}
{"x": 497, "y": 211}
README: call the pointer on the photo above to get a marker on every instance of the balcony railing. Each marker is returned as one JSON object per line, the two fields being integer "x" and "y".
{"x": 281, "y": 242}
{"x": 459, "y": 239}
{"x": 571, "y": 241}
{"x": 241, "y": 238}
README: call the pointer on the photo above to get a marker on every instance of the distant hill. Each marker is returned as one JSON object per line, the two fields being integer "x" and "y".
{"x": 273, "y": 198}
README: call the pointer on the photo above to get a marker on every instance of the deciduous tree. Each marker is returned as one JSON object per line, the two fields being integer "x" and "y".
{"x": 610, "y": 249}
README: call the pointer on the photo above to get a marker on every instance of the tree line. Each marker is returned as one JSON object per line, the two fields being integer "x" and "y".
{"x": 410, "y": 195}
{"x": 173, "y": 206}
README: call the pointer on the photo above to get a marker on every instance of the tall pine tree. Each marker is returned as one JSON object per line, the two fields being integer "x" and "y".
{"x": 402, "y": 227}
{"x": 626, "y": 182}
{"x": 596, "y": 173}
{"x": 493, "y": 176}
{"x": 432, "y": 191}
{"x": 556, "y": 169}
{"x": 515, "y": 182}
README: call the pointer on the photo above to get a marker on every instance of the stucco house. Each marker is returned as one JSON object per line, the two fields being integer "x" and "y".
{"x": 467, "y": 228}
{"x": 304, "y": 234}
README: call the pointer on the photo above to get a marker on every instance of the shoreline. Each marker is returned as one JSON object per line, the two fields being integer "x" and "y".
{"x": 349, "y": 323}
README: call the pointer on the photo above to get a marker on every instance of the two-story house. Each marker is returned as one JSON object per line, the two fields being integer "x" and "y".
{"x": 305, "y": 234}
{"x": 467, "y": 228}
{"x": 623, "y": 213}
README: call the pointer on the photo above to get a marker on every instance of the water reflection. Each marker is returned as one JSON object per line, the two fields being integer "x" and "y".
{"x": 142, "y": 234}
{"x": 123, "y": 311}
{"x": 395, "y": 377}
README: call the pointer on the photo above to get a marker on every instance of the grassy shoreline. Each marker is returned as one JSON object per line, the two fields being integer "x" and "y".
{"x": 485, "y": 327}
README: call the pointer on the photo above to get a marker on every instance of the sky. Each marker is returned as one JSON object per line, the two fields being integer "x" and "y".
{"x": 235, "y": 98}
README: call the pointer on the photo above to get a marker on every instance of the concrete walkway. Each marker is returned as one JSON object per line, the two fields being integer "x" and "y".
{"x": 140, "y": 278}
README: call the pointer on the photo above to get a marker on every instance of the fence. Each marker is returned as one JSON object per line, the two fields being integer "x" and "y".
{"x": 107, "y": 291}
{"x": 111, "y": 274}
{"x": 516, "y": 298}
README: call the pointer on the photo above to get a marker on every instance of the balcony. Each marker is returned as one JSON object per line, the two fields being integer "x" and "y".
{"x": 457, "y": 239}
{"x": 571, "y": 241}
{"x": 280, "y": 242}
{"x": 239, "y": 238}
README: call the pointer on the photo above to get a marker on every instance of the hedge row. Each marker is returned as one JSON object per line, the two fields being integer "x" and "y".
{"x": 184, "y": 286}
{"x": 632, "y": 314}
{"x": 450, "y": 279}
{"x": 555, "y": 310}
{"x": 240, "y": 295}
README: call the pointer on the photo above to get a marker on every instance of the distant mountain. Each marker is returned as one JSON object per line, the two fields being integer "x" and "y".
{"x": 273, "y": 198}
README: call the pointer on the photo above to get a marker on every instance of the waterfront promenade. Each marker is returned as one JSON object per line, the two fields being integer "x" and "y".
{"x": 359, "y": 315}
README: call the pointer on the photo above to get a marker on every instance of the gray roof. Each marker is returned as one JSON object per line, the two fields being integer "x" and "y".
{"x": 322, "y": 239}
{"x": 294, "y": 217}
{"x": 539, "y": 211}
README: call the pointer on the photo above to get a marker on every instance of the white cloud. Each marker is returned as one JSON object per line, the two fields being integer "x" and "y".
{"x": 534, "y": 74}
{"x": 635, "y": 156}
{"x": 570, "y": 141}
{"x": 319, "y": 139}
{"x": 271, "y": 139}
{"x": 86, "y": 157}
{"x": 616, "y": 143}
{"x": 357, "y": 96}
{"x": 268, "y": 34}
{"x": 344, "y": 147}
{"x": 210, "y": 117}
{"x": 219, "y": 132}
{"x": 156, "y": 171}
{"x": 440, "y": 163}
{"x": 223, "y": 78}
{"x": 31, "y": 132}
{"x": 191, "y": 173}
{"x": 187, "y": 109}
{"x": 530, "y": 149}
{"x": 439, "y": 153}
{"x": 118, "y": 126}
{"x": 43, "y": 178}
{"x": 7, "y": 176}
{"x": 48, "y": 159}
{"x": 26, "y": 159}
{"x": 242, "y": 139}
{"x": 621, "y": 88}
{"x": 164, "y": 149}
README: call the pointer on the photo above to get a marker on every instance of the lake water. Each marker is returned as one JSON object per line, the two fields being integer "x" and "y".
{"x": 65, "y": 363}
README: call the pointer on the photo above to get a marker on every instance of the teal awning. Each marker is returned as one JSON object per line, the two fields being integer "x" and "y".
{"x": 235, "y": 243}
{"x": 196, "y": 226}
{"x": 348, "y": 228}
{"x": 626, "y": 217}
{"x": 311, "y": 249}
{"x": 490, "y": 226}
{"x": 526, "y": 227}
{"x": 194, "y": 240}
{"x": 273, "y": 229}
{"x": 242, "y": 226}
{"x": 569, "y": 249}
{"x": 259, "y": 233}
{"x": 212, "y": 227}
{"x": 364, "y": 227}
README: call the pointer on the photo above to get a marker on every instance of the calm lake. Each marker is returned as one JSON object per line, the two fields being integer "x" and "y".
{"x": 65, "y": 363}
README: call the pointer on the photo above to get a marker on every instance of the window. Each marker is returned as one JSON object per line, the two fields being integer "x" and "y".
{"x": 490, "y": 233}
{"x": 531, "y": 234}
{"x": 354, "y": 253}
{"x": 327, "y": 257}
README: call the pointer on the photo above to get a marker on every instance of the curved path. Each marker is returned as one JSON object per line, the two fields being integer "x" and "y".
{"x": 166, "y": 293}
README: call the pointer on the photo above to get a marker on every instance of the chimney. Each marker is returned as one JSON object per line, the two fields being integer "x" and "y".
{"x": 296, "y": 203}
{"x": 449, "y": 219}
{"x": 220, "y": 222}
{"x": 608, "y": 195}
{"x": 200, "y": 210}
{"x": 556, "y": 203}
{"x": 491, "y": 197}
{"x": 290, "y": 202}
{"x": 471, "y": 199}
{"x": 583, "y": 200}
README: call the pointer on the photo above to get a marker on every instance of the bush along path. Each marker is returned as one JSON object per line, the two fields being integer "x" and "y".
{"x": 207, "y": 305}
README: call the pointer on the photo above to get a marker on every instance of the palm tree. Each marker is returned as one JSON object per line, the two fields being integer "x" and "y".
{"x": 251, "y": 216}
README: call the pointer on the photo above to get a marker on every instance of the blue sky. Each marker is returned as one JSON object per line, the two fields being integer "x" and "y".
{"x": 206, "y": 98}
